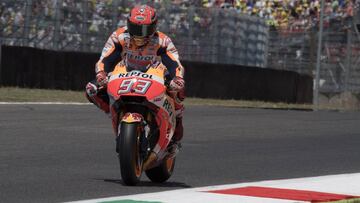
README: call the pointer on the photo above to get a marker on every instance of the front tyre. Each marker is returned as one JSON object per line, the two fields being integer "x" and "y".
{"x": 129, "y": 153}
{"x": 162, "y": 172}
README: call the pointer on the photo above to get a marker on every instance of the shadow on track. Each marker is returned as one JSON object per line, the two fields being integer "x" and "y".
{"x": 150, "y": 184}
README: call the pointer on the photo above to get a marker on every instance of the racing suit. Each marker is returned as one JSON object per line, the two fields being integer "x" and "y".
{"x": 120, "y": 47}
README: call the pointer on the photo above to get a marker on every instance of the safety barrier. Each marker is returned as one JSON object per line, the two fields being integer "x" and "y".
{"x": 35, "y": 68}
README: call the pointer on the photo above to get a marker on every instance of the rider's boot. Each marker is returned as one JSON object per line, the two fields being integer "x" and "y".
{"x": 175, "y": 144}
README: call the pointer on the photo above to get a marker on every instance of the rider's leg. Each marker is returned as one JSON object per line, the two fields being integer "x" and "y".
{"x": 179, "y": 130}
{"x": 179, "y": 108}
{"x": 97, "y": 96}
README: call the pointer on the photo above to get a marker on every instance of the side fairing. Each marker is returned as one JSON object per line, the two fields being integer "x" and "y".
{"x": 166, "y": 112}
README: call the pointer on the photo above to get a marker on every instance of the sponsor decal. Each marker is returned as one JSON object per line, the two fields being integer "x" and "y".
{"x": 168, "y": 107}
{"x": 132, "y": 117}
{"x": 140, "y": 57}
{"x": 137, "y": 74}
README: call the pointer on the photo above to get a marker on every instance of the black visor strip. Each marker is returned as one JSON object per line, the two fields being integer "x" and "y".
{"x": 141, "y": 30}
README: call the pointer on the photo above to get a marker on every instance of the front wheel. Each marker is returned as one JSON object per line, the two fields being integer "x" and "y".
{"x": 162, "y": 172}
{"x": 129, "y": 153}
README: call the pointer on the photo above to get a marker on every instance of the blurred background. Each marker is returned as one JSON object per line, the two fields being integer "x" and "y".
{"x": 276, "y": 34}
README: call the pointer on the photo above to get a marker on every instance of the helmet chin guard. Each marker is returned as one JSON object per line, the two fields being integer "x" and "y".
{"x": 140, "y": 41}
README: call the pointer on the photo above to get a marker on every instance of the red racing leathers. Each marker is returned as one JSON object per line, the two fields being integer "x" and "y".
{"x": 121, "y": 48}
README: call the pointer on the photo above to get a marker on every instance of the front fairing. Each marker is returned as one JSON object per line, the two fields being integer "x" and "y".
{"x": 136, "y": 84}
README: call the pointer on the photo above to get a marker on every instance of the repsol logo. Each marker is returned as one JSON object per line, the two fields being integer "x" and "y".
{"x": 135, "y": 73}
{"x": 167, "y": 106}
{"x": 140, "y": 58}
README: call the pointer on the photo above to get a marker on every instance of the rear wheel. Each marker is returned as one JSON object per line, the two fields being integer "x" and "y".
{"x": 162, "y": 172}
{"x": 131, "y": 161}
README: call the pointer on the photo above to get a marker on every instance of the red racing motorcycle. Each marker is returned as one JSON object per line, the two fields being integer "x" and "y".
{"x": 143, "y": 119}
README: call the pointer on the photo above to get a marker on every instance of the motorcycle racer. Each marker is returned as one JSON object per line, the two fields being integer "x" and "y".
{"x": 139, "y": 45}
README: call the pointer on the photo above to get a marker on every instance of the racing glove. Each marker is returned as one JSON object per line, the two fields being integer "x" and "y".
{"x": 177, "y": 84}
{"x": 101, "y": 78}
{"x": 91, "y": 89}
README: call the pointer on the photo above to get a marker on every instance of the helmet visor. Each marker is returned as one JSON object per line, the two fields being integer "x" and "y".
{"x": 141, "y": 30}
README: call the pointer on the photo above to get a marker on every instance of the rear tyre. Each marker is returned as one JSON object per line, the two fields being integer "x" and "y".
{"x": 129, "y": 153}
{"x": 162, "y": 172}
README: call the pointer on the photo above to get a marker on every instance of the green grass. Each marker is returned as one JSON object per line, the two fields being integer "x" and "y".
{"x": 13, "y": 94}
{"x": 246, "y": 104}
{"x": 10, "y": 94}
{"x": 356, "y": 200}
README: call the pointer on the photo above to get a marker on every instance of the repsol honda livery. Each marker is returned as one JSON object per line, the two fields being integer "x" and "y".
{"x": 143, "y": 119}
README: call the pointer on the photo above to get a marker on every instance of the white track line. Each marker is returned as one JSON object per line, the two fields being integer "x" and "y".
{"x": 347, "y": 184}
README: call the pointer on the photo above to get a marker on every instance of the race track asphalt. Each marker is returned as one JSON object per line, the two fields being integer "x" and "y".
{"x": 56, "y": 153}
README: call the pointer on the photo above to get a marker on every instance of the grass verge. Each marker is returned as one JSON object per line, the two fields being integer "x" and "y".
{"x": 356, "y": 200}
{"x": 13, "y": 94}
